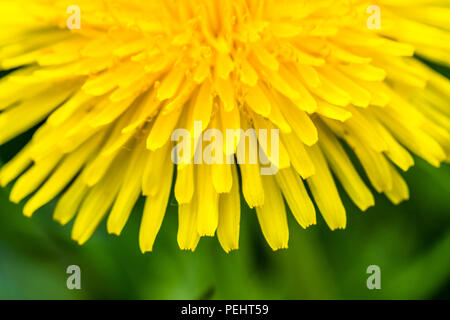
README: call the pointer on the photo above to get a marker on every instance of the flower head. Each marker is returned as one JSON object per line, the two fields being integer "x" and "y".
{"x": 106, "y": 83}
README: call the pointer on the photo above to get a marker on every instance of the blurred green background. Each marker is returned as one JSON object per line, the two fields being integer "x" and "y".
{"x": 409, "y": 242}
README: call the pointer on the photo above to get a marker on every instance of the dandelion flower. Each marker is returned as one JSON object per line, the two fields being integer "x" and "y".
{"x": 105, "y": 97}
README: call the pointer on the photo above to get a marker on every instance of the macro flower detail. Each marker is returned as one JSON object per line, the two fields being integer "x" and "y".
{"x": 105, "y": 98}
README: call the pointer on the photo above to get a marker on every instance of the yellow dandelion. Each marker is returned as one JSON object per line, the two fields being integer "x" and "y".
{"x": 106, "y": 83}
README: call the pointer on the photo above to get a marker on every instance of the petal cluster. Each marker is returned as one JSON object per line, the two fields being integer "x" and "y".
{"x": 104, "y": 99}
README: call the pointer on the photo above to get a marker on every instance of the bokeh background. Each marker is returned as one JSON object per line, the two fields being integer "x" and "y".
{"x": 409, "y": 242}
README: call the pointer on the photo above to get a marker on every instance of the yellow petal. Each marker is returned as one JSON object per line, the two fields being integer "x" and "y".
{"x": 98, "y": 200}
{"x": 344, "y": 170}
{"x": 70, "y": 201}
{"x": 229, "y": 216}
{"x": 129, "y": 191}
{"x": 15, "y": 167}
{"x": 296, "y": 196}
{"x": 154, "y": 211}
{"x": 188, "y": 236}
{"x": 399, "y": 191}
{"x": 185, "y": 184}
{"x": 63, "y": 174}
{"x": 208, "y": 211}
{"x": 272, "y": 216}
{"x": 32, "y": 179}
{"x": 324, "y": 190}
